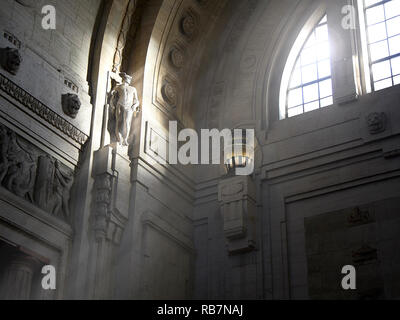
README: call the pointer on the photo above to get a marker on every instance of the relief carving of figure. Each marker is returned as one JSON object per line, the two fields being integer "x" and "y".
{"x": 10, "y": 60}
{"x": 62, "y": 187}
{"x": 124, "y": 104}
{"x": 4, "y": 143}
{"x": 20, "y": 177}
{"x": 53, "y": 186}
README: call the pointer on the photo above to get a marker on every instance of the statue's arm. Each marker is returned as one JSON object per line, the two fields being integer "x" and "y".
{"x": 136, "y": 102}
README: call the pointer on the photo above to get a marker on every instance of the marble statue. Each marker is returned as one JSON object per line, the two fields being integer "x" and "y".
{"x": 124, "y": 104}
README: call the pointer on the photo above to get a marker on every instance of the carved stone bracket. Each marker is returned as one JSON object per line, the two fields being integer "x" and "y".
{"x": 238, "y": 208}
{"x": 111, "y": 207}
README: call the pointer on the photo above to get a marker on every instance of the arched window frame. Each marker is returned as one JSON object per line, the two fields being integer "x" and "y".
{"x": 316, "y": 21}
{"x": 370, "y": 64}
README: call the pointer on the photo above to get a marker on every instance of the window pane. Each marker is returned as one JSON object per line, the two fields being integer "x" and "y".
{"x": 313, "y": 64}
{"x": 383, "y": 84}
{"x": 394, "y": 44}
{"x": 381, "y": 70}
{"x": 323, "y": 51}
{"x": 295, "y": 97}
{"x": 309, "y": 73}
{"x": 396, "y": 66}
{"x": 326, "y": 102}
{"x": 296, "y": 79}
{"x": 295, "y": 111}
{"x": 311, "y": 41}
{"x": 324, "y": 68}
{"x": 377, "y": 32}
{"x": 308, "y": 56}
{"x": 310, "y": 93}
{"x": 325, "y": 88}
{"x": 392, "y": 9}
{"x": 311, "y": 106}
{"x": 396, "y": 80}
{"x": 375, "y": 15}
{"x": 321, "y": 33}
{"x": 324, "y": 20}
{"x": 393, "y": 26}
{"x": 379, "y": 50}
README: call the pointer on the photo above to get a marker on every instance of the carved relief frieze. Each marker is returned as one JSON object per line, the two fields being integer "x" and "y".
{"x": 34, "y": 176}
{"x": 44, "y": 112}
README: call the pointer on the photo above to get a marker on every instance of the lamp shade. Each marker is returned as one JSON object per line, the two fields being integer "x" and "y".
{"x": 239, "y": 154}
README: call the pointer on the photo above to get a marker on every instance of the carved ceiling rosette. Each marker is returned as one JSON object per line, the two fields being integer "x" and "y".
{"x": 177, "y": 57}
{"x": 170, "y": 94}
{"x": 189, "y": 24}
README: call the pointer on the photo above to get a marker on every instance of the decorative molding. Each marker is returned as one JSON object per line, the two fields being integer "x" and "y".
{"x": 151, "y": 219}
{"x": 121, "y": 43}
{"x": 365, "y": 255}
{"x": 12, "y": 39}
{"x": 359, "y": 217}
{"x": 44, "y": 112}
{"x": 71, "y": 85}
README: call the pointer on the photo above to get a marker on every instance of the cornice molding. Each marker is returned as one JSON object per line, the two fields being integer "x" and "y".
{"x": 44, "y": 112}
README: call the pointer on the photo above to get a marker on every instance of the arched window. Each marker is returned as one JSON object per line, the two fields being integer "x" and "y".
{"x": 382, "y": 28}
{"x": 309, "y": 86}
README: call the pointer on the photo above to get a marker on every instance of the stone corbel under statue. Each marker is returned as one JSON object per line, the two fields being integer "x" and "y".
{"x": 111, "y": 173}
{"x": 237, "y": 197}
{"x": 111, "y": 210}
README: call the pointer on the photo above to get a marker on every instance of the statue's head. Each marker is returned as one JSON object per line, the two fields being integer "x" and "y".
{"x": 71, "y": 105}
{"x": 125, "y": 78}
{"x": 11, "y": 60}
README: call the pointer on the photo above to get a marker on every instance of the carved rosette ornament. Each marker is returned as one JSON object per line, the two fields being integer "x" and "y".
{"x": 177, "y": 58}
{"x": 376, "y": 122}
{"x": 189, "y": 25}
{"x": 10, "y": 60}
{"x": 169, "y": 94}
